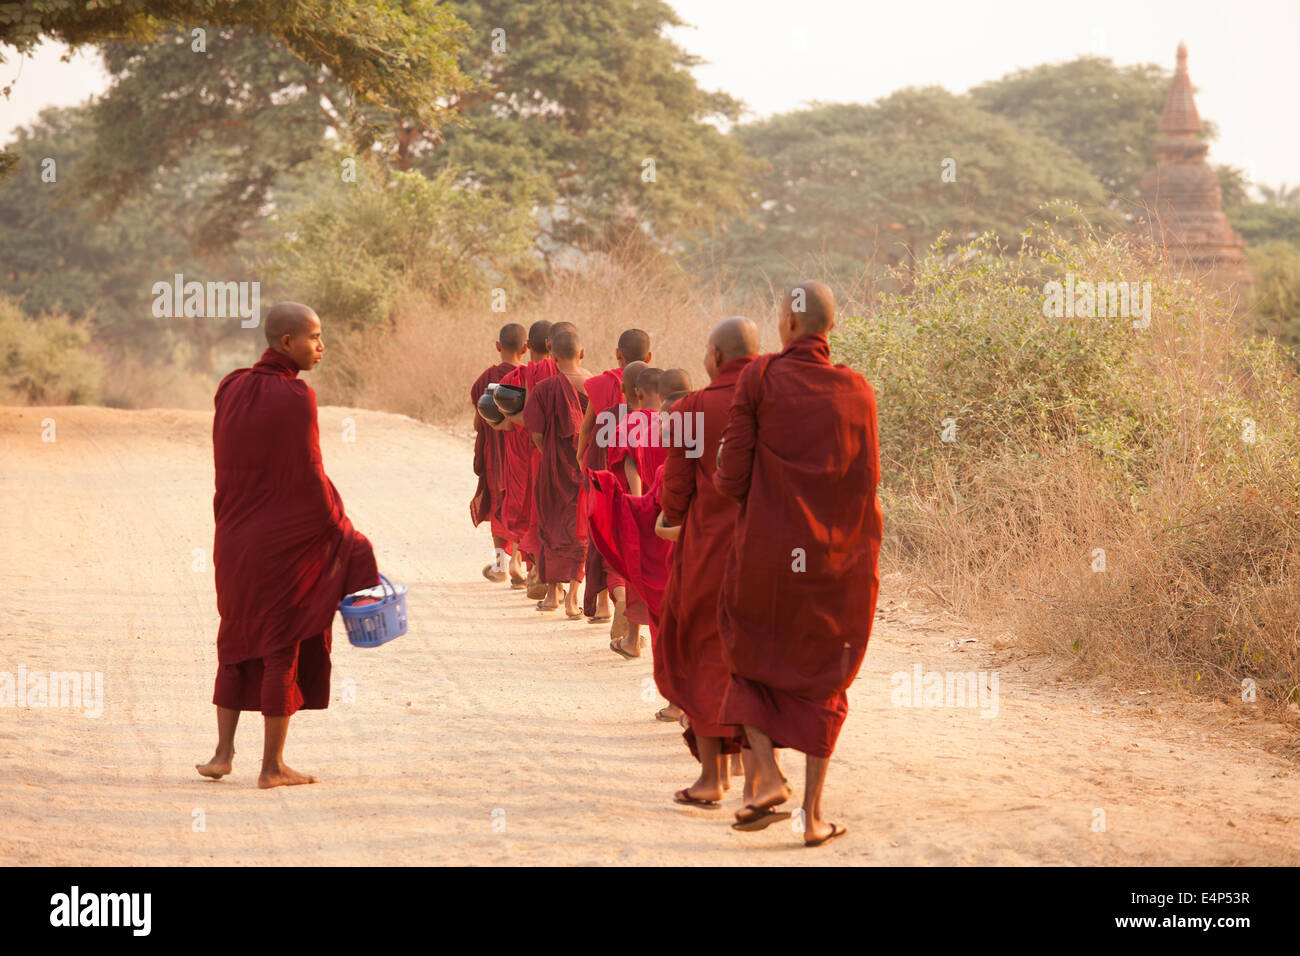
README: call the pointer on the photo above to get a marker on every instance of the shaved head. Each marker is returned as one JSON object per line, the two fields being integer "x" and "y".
{"x": 630, "y": 372}
{"x": 538, "y": 333}
{"x": 735, "y": 338}
{"x": 674, "y": 380}
{"x": 647, "y": 381}
{"x": 564, "y": 343}
{"x": 512, "y": 338}
{"x": 287, "y": 318}
{"x": 813, "y": 306}
{"x": 634, "y": 345}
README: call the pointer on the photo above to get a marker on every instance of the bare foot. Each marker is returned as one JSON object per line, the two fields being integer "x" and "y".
{"x": 765, "y": 796}
{"x": 284, "y": 777}
{"x": 634, "y": 650}
{"x": 602, "y": 605}
{"x": 216, "y": 768}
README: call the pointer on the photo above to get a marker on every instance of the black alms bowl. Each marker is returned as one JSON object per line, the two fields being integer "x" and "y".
{"x": 488, "y": 408}
{"x": 510, "y": 398}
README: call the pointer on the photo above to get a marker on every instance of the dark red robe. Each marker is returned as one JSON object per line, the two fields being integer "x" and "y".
{"x": 285, "y": 552}
{"x": 690, "y": 667}
{"x": 490, "y": 462}
{"x": 801, "y": 455}
{"x": 604, "y": 393}
{"x": 522, "y": 460}
{"x": 555, "y": 409}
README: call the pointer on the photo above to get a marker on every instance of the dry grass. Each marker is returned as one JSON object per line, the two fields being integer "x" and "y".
{"x": 424, "y": 365}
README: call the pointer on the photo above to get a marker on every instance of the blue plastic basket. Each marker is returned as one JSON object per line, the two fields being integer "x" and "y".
{"x": 373, "y": 624}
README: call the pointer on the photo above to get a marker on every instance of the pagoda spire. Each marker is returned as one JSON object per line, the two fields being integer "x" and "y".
{"x": 1181, "y": 209}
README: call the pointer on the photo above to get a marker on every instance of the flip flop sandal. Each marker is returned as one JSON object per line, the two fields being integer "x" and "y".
{"x": 661, "y": 714}
{"x": 599, "y": 620}
{"x": 622, "y": 653}
{"x": 763, "y": 819}
{"x": 518, "y": 584}
{"x": 836, "y": 831}
{"x": 573, "y": 617}
{"x": 546, "y": 610}
{"x": 684, "y": 796}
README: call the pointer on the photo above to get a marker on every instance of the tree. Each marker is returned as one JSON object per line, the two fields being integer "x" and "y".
{"x": 1106, "y": 115}
{"x": 253, "y": 109}
{"x": 569, "y": 101}
{"x": 399, "y": 56}
{"x": 846, "y": 184}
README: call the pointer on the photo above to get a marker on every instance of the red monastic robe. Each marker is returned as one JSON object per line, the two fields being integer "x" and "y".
{"x": 555, "y": 409}
{"x": 490, "y": 461}
{"x": 634, "y": 439}
{"x": 622, "y": 527}
{"x": 522, "y": 460}
{"x": 690, "y": 667}
{"x": 284, "y": 553}
{"x": 801, "y": 455}
{"x": 604, "y": 393}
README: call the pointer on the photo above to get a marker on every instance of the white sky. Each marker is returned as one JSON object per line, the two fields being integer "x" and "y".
{"x": 777, "y": 55}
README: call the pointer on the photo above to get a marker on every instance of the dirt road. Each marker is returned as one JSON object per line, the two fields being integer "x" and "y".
{"x": 491, "y": 734}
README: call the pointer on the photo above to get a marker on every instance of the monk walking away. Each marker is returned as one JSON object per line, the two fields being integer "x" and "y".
{"x": 800, "y": 455}
{"x": 553, "y": 414}
{"x": 491, "y": 463}
{"x": 521, "y": 457}
{"x": 285, "y": 552}
{"x": 604, "y": 392}
{"x": 690, "y": 666}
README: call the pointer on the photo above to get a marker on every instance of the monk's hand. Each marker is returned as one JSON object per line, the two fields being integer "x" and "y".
{"x": 666, "y": 531}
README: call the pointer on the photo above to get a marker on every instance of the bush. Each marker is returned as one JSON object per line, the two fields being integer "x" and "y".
{"x": 45, "y": 361}
{"x": 1126, "y": 496}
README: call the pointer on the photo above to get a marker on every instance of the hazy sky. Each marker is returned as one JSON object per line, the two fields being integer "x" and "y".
{"x": 777, "y": 55}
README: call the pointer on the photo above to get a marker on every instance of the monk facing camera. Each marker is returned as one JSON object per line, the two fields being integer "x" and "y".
{"x": 285, "y": 552}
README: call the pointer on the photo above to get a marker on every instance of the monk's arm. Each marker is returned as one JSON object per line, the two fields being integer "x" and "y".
{"x": 633, "y": 476}
{"x": 736, "y": 454}
{"x": 537, "y": 440}
{"x": 667, "y": 532}
{"x": 588, "y": 426}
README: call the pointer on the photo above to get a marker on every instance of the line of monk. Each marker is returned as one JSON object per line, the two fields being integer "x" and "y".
{"x": 739, "y": 522}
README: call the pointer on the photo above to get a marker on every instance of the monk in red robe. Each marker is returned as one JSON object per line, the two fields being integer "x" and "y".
{"x": 490, "y": 463}
{"x": 604, "y": 394}
{"x": 690, "y": 668}
{"x": 285, "y": 553}
{"x": 535, "y": 372}
{"x": 800, "y": 454}
{"x": 635, "y": 455}
{"x": 553, "y": 414}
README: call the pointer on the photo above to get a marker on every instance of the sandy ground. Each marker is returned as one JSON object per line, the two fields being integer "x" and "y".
{"x": 491, "y": 734}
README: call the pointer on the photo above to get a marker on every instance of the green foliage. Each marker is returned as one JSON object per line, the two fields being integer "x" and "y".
{"x": 969, "y": 341}
{"x": 249, "y": 106}
{"x": 348, "y": 249}
{"x": 584, "y": 92}
{"x": 845, "y": 184}
{"x": 45, "y": 361}
{"x": 1275, "y": 296}
{"x": 1106, "y": 115}
{"x": 398, "y": 54}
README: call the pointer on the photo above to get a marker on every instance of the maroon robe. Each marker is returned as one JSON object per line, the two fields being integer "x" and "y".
{"x": 528, "y": 376}
{"x": 690, "y": 667}
{"x": 604, "y": 392}
{"x": 490, "y": 462}
{"x": 285, "y": 552}
{"x": 801, "y": 455}
{"x": 555, "y": 409}
{"x": 522, "y": 459}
